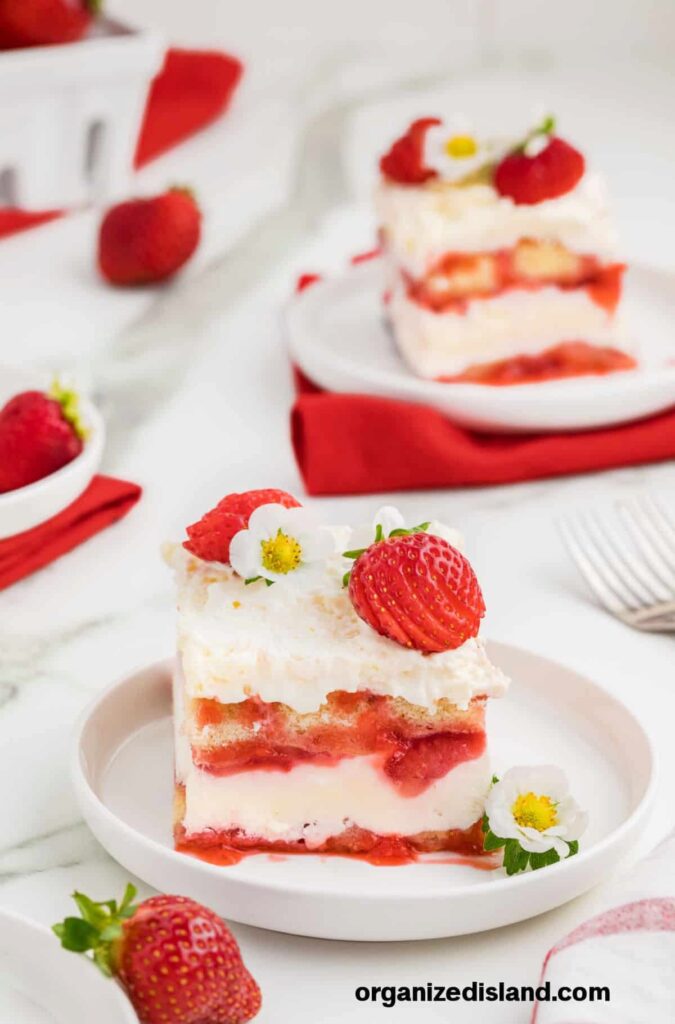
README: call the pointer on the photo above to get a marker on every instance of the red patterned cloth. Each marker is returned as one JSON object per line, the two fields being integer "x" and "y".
{"x": 104, "y": 502}
{"x": 193, "y": 89}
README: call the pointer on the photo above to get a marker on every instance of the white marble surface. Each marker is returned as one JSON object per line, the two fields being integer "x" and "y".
{"x": 194, "y": 382}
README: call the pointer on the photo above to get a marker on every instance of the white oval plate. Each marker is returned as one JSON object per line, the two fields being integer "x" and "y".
{"x": 339, "y": 337}
{"x": 123, "y": 772}
{"x": 44, "y": 984}
{"x": 27, "y": 507}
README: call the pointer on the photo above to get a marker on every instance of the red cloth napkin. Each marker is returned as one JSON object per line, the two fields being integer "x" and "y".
{"x": 192, "y": 90}
{"x": 104, "y": 502}
{"x": 360, "y": 444}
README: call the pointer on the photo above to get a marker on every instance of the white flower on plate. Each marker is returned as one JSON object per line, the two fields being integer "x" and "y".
{"x": 281, "y": 545}
{"x": 533, "y": 806}
{"x": 455, "y": 151}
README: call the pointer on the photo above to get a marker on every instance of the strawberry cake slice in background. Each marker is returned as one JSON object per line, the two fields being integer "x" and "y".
{"x": 501, "y": 256}
{"x": 330, "y": 688}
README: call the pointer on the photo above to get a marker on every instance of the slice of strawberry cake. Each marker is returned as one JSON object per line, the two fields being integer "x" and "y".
{"x": 330, "y": 688}
{"x": 501, "y": 257}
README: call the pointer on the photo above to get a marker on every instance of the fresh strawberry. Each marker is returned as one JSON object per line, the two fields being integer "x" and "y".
{"x": 44, "y": 22}
{"x": 39, "y": 433}
{"x": 147, "y": 240}
{"x": 418, "y": 590}
{"x": 531, "y": 179}
{"x": 210, "y": 538}
{"x": 176, "y": 959}
{"x": 404, "y": 163}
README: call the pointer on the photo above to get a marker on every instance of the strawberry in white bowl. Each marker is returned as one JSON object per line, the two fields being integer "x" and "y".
{"x": 51, "y": 442}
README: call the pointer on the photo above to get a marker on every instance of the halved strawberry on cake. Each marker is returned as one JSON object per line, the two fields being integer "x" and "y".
{"x": 501, "y": 257}
{"x": 330, "y": 689}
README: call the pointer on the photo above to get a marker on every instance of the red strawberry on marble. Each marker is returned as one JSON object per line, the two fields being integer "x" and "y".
{"x": 418, "y": 590}
{"x": 143, "y": 241}
{"x": 404, "y": 163}
{"x": 44, "y": 22}
{"x": 177, "y": 961}
{"x": 552, "y": 172}
{"x": 39, "y": 433}
{"x": 209, "y": 539}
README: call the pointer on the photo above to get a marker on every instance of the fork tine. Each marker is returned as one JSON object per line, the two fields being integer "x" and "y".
{"x": 661, "y": 520}
{"x": 644, "y": 584}
{"x": 647, "y": 540}
{"x": 595, "y": 580}
{"x": 616, "y": 575}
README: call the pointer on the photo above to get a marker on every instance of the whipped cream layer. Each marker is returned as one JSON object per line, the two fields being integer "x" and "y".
{"x": 422, "y": 224}
{"x": 297, "y": 646}
{"x": 499, "y": 327}
{"x": 314, "y": 802}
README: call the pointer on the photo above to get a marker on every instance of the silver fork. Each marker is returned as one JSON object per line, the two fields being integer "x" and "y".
{"x": 628, "y": 561}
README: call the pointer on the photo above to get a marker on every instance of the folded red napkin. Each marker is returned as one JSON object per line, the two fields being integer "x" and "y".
{"x": 360, "y": 444}
{"x": 104, "y": 502}
{"x": 192, "y": 90}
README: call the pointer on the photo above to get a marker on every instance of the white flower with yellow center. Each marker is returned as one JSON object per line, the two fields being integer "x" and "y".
{"x": 455, "y": 151}
{"x": 530, "y": 808}
{"x": 281, "y": 545}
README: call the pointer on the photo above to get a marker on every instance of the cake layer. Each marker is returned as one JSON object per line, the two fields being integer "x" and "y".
{"x": 437, "y": 345}
{"x": 312, "y": 803}
{"x": 419, "y": 225}
{"x": 458, "y": 278}
{"x": 415, "y": 746}
{"x": 296, "y": 647}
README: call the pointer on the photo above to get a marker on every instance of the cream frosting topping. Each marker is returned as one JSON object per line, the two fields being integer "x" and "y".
{"x": 297, "y": 646}
{"x": 422, "y": 224}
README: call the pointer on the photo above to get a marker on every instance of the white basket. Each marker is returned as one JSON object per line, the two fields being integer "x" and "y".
{"x": 70, "y": 116}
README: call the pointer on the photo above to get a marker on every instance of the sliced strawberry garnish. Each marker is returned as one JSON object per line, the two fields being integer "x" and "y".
{"x": 404, "y": 163}
{"x": 209, "y": 539}
{"x": 553, "y": 172}
{"x": 417, "y": 590}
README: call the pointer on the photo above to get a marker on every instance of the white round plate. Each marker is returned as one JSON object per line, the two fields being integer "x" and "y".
{"x": 40, "y": 983}
{"x": 29, "y": 506}
{"x": 340, "y": 339}
{"x": 123, "y": 771}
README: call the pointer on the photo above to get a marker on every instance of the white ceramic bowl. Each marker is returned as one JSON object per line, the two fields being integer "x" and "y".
{"x": 41, "y": 981}
{"x": 26, "y": 507}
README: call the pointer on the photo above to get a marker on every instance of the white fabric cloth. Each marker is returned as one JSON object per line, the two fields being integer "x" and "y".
{"x": 629, "y": 948}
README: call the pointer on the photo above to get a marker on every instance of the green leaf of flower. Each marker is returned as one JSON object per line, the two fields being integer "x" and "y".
{"x": 573, "y": 848}
{"x": 379, "y": 533}
{"x": 542, "y": 860}
{"x": 493, "y": 842}
{"x": 515, "y": 857}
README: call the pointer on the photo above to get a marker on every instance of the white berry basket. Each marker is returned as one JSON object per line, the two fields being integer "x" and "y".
{"x": 70, "y": 116}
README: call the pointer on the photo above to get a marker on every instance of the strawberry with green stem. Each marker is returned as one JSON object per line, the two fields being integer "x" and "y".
{"x": 177, "y": 960}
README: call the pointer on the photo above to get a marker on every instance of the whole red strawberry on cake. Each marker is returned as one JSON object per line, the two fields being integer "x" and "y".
{"x": 501, "y": 256}
{"x": 331, "y": 685}
{"x": 176, "y": 960}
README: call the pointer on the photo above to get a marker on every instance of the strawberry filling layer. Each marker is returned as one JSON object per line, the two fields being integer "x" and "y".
{"x": 413, "y": 750}
{"x": 457, "y": 279}
{"x": 569, "y": 359}
{"x": 227, "y": 846}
